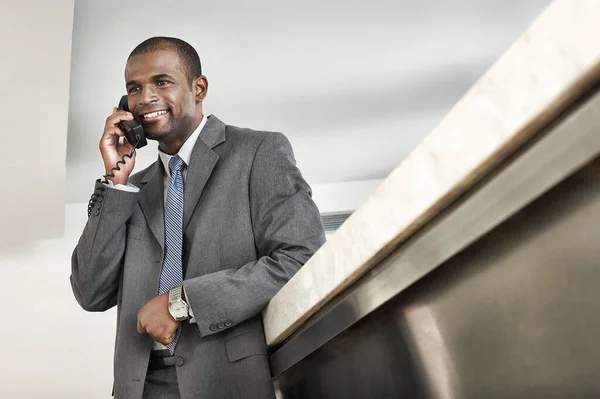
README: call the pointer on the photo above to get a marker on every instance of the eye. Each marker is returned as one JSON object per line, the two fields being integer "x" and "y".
{"x": 133, "y": 89}
{"x": 162, "y": 82}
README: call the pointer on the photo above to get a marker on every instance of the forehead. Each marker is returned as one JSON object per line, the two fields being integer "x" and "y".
{"x": 142, "y": 66}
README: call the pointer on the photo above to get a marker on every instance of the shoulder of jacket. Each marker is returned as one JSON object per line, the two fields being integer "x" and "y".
{"x": 255, "y": 137}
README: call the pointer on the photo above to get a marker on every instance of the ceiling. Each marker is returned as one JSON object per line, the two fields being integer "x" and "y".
{"x": 355, "y": 85}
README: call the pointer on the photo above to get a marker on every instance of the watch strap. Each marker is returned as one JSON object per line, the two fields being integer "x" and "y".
{"x": 175, "y": 294}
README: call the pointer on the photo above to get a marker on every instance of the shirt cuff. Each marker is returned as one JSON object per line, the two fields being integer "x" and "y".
{"x": 129, "y": 187}
{"x": 190, "y": 311}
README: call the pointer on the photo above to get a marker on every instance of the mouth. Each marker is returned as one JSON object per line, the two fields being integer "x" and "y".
{"x": 154, "y": 115}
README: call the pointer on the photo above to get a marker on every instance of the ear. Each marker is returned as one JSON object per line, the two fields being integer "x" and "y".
{"x": 200, "y": 87}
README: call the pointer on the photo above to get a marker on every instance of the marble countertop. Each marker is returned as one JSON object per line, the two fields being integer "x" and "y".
{"x": 553, "y": 62}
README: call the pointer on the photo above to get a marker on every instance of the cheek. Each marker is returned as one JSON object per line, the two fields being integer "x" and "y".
{"x": 181, "y": 114}
{"x": 182, "y": 105}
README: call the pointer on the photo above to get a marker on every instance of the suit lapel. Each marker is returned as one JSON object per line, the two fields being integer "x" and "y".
{"x": 152, "y": 201}
{"x": 202, "y": 163}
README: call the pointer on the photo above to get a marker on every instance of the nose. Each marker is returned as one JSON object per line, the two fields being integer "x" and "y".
{"x": 148, "y": 95}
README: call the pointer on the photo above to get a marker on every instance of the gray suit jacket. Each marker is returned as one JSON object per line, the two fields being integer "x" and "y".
{"x": 249, "y": 225}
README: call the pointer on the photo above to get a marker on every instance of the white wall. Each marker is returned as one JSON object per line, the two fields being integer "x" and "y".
{"x": 51, "y": 348}
{"x": 355, "y": 85}
{"x": 34, "y": 77}
{"x": 344, "y": 196}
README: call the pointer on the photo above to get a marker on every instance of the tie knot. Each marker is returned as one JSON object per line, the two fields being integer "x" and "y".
{"x": 176, "y": 164}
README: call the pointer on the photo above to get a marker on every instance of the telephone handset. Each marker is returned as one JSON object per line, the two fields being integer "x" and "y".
{"x": 134, "y": 133}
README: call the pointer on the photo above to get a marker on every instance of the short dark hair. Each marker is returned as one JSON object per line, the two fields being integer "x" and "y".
{"x": 187, "y": 54}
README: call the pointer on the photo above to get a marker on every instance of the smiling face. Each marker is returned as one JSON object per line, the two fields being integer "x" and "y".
{"x": 162, "y": 98}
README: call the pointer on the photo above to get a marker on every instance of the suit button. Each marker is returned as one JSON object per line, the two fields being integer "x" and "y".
{"x": 228, "y": 323}
{"x": 213, "y": 327}
{"x": 221, "y": 326}
{"x": 179, "y": 361}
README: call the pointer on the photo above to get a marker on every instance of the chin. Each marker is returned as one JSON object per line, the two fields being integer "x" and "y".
{"x": 155, "y": 132}
{"x": 151, "y": 135}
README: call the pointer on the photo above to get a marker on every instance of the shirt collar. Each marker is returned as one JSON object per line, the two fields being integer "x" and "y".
{"x": 185, "y": 152}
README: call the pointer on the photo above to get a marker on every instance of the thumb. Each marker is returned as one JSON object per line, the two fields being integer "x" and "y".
{"x": 140, "y": 328}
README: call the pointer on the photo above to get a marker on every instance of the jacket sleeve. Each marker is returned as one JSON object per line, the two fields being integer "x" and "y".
{"x": 287, "y": 231}
{"x": 97, "y": 260}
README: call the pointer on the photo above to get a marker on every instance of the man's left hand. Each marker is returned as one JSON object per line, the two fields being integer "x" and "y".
{"x": 155, "y": 320}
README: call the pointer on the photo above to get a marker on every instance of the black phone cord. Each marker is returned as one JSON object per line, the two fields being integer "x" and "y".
{"x": 97, "y": 196}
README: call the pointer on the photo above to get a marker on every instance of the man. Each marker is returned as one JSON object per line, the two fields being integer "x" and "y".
{"x": 192, "y": 248}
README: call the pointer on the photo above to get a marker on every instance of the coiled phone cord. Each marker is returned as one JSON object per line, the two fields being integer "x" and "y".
{"x": 98, "y": 196}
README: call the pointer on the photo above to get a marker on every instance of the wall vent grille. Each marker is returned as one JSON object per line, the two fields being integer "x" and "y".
{"x": 333, "y": 220}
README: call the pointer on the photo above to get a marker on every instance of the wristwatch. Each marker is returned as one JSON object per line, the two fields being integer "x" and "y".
{"x": 177, "y": 306}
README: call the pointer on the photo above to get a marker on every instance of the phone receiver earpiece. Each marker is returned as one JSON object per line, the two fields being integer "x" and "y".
{"x": 124, "y": 103}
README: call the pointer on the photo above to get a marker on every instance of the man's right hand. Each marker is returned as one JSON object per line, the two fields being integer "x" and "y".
{"x": 112, "y": 151}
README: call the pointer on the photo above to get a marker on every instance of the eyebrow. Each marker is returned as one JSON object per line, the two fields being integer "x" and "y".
{"x": 155, "y": 77}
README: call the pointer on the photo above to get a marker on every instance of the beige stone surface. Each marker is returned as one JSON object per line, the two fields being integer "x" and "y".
{"x": 548, "y": 67}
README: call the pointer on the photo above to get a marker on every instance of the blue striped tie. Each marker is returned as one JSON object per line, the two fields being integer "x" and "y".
{"x": 171, "y": 275}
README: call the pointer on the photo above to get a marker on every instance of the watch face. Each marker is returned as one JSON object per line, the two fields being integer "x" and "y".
{"x": 178, "y": 309}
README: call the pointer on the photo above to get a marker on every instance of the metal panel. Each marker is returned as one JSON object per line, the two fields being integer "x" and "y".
{"x": 507, "y": 317}
{"x": 512, "y": 316}
{"x": 551, "y": 157}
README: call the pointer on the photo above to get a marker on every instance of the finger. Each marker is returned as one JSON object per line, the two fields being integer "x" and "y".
{"x": 114, "y": 110}
{"x": 117, "y": 117}
{"x": 112, "y": 133}
{"x": 171, "y": 337}
{"x": 165, "y": 340}
{"x": 140, "y": 328}
{"x": 128, "y": 146}
{"x": 117, "y": 131}
{"x": 111, "y": 136}
{"x": 118, "y": 113}
{"x": 167, "y": 335}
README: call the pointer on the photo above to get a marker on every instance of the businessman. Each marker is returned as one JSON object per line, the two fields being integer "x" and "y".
{"x": 192, "y": 248}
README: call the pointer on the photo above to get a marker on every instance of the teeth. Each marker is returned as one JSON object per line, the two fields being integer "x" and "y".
{"x": 153, "y": 114}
